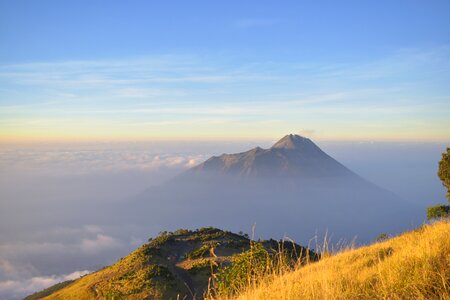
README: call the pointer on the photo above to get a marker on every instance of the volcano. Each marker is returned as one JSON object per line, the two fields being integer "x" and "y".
{"x": 292, "y": 156}
{"x": 292, "y": 189}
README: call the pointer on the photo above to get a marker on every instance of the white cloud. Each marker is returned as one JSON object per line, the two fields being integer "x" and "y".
{"x": 132, "y": 75}
{"x": 91, "y": 228}
{"x": 192, "y": 162}
{"x": 24, "y": 266}
{"x": 88, "y": 241}
{"x": 100, "y": 243}
{"x": 19, "y": 288}
{"x": 34, "y": 248}
{"x": 307, "y": 132}
{"x": 10, "y": 270}
{"x": 93, "y": 158}
{"x": 153, "y": 96}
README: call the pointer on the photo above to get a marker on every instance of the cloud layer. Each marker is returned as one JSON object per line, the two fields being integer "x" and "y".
{"x": 51, "y": 256}
{"x": 19, "y": 288}
{"x": 47, "y": 232}
{"x": 54, "y": 196}
{"x": 93, "y": 158}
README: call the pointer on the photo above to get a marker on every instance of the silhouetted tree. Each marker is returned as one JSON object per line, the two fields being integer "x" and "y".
{"x": 444, "y": 171}
{"x": 441, "y": 210}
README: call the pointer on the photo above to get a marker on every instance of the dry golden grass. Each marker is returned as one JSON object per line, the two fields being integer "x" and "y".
{"x": 414, "y": 265}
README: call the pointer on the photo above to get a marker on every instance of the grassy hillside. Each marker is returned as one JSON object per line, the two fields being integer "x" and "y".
{"x": 223, "y": 265}
{"x": 174, "y": 264}
{"x": 415, "y": 265}
{"x": 48, "y": 291}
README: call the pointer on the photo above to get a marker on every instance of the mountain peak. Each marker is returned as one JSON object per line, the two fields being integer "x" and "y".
{"x": 292, "y": 156}
{"x": 292, "y": 141}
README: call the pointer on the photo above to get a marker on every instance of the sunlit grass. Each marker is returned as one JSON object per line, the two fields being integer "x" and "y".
{"x": 415, "y": 265}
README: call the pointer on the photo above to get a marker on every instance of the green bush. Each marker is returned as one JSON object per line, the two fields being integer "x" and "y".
{"x": 444, "y": 171}
{"x": 246, "y": 268}
{"x": 202, "y": 266}
{"x": 182, "y": 232}
{"x": 381, "y": 237}
{"x": 439, "y": 211}
{"x": 161, "y": 239}
{"x": 200, "y": 252}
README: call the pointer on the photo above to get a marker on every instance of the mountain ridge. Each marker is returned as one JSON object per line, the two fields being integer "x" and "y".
{"x": 173, "y": 265}
{"x": 291, "y": 156}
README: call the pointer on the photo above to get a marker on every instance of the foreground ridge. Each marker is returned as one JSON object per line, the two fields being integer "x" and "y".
{"x": 173, "y": 265}
{"x": 414, "y": 265}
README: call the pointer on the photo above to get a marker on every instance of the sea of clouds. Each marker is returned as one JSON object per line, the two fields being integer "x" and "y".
{"x": 49, "y": 194}
{"x": 52, "y": 224}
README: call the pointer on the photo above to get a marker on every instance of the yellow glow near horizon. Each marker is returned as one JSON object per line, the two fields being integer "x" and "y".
{"x": 242, "y": 132}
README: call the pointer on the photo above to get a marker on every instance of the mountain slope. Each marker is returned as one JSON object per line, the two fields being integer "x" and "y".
{"x": 292, "y": 188}
{"x": 291, "y": 156}
{"x": 170, "y": 265}
{"x": 414, "y": 265}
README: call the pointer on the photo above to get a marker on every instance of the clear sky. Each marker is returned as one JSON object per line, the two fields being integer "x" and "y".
{"x": 119, "y": 70}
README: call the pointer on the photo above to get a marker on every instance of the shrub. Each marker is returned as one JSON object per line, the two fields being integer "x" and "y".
{"x": 444, "y": 171}
{"x": 439, "y": 211}
{"x": 246, "y": 268}
{"x": 442, "y": 211}
{"x": 200, "y": 252}
{"x": 381, "y": 237}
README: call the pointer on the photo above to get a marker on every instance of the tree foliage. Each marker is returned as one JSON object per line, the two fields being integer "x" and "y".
{"x": 442, "y": 211}
{"x": 246, "y": 268}
{"x": 439, "y": 211}
{"x": 444, "y": 171}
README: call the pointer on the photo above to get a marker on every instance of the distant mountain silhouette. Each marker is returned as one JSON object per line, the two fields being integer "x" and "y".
{"x": 292, "y": 188}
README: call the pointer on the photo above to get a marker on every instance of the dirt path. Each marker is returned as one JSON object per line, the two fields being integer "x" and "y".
{"x": 186, "y": 278}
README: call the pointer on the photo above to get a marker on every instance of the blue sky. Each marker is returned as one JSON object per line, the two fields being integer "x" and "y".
{"x": 359, "y": 70}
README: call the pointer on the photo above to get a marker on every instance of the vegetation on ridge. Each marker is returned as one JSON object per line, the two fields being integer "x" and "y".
{"x": 414, "y": 265}
{"x": 170, "y": 266}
